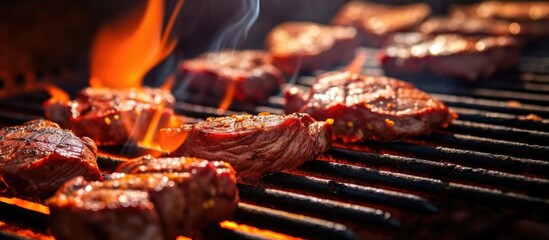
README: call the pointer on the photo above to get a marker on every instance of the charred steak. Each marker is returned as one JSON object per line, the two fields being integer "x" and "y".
{"x": 375, "y": 22}
{"x": 527, "y": 19}
{"x": 306, "y": 46}
{"x": 242, "y": 76}
{"x": 145, "y": 205}
{"x": 113, "y": 116}
{"x": 253, "y": 145}
{"x": 36, "y": 158}
{"x": 448, "y": 55}
{"x": 369, "y": 108}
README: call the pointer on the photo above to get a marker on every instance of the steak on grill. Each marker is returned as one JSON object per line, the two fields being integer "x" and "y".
{"x": 369, "y": 108}
{"x": 449, "y": 55}
{"x": 529, "y": 19}
{"x": 246, "y": 77}
{"x": 467, "y": 26}
{"x": 36, "y": 158}
{"x": 113, "y": 116}
{"x": 376, "y": 22}
{"x": 145, "y": 205}
{"x": 253, "y": 145}
{"x": 306, "y": 46}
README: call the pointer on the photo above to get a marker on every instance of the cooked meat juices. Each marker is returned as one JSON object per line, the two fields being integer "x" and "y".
{"x": 36, "y": 158}
{"x": 376, "y": 22}
{"x": 369, "y": 108}
{"x": 248, "y": 75}
{"x": 448, "y": 55}
{"x": 253, "y": 145}
{"x": 113, "y": 116}
{"x": 528, "y": 19}
{"x": 158, "y": 205}
{"x": 306, "y": 46}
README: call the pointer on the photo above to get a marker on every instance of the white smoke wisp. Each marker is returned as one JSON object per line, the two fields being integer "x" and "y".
{"x": 237, "y": 31}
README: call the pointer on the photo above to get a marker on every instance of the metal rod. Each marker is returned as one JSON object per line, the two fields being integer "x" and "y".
{"x": 500, "y": 119}
{"x": 347, "y": 191}
{"x": 292, "y": 224}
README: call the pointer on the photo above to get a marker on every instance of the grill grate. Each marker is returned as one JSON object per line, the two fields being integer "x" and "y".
{"x": 492, "y": 160}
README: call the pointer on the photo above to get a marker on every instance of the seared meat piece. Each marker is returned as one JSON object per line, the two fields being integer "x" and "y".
{"x": 253, "y": 145}
{"x": 376, "y": 22}
{"x": 171, "y": 204}
{"x": 529, "y": 19}
{"x": 305, "y": 46}
{"x": 369, "y": 108}
{"x": 449, "y": 55}
{"x": 468, "y": 26}
{"x": 242, "y": 76}
{"x": 113, "y": 116}
{"x": 83, "y": 210}
{"x": 37, "y": 157}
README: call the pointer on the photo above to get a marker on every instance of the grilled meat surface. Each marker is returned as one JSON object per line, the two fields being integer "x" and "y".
{"x": 306, "y": 46}
{"x": 369, "y": 108}
{"x": 253, "y": 145}
{"x": 376, "y": 22}
{"x": 246, "y": 77}
{"x": 467, "y": 26}
{"x": 526, "y": 19}
{"x": 147, "y": 203}
{"x": 36, "y": 158}
{"x": 448, "y": 55}
{"x": 112, "y": 116}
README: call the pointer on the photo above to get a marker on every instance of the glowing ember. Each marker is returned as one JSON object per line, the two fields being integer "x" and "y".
{"x": 26, "y": 204}
{"x": 264, "y": 234}
{"x": 57, "y": 94}
{"x": 357, "y": 63}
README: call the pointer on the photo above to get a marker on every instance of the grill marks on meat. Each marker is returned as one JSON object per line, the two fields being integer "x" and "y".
{"x": 113, "y": 116}
{"x": 253, "y": 145}
{"x": 526, "y": 19}
{"x": 36, "y": 158}
{"x": 306, "y": 46}
{"x": 146, "y": 203}
{"x": 376, "y": 22}
{"x": 369, "y": 108}
{"x": 249, "y": 74}
{"x": 449, "y": 55}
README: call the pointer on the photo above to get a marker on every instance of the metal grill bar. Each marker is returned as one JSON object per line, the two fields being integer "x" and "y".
{"x": 429, "y": 186}
{"x": 470, "y": 158}
{"x": 346, "y": 191}
{"x": 294, "y": 224}
{"x": 498, "y": 132}
{"x": 310, "y": 205}
{"x": 448, "y": 171}
{"x": 502, "y": 119}
{"x": 483, "y": 144}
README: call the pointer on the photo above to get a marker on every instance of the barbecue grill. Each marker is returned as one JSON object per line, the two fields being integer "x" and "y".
{"x": 486, "y": 175}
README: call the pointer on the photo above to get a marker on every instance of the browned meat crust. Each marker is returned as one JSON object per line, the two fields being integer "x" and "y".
{"x": 247, "y": 75}
{"x": 376, "y": 22}
{"x": 113, "y": 116}
{"x": 306, "y": 46}
{"x": 369, "y": 108}
{"x": 253, "y": 145}
{"x": 448, "y": 55}
{"x": 145, "y": 205}
{"x": 36, "y": 158}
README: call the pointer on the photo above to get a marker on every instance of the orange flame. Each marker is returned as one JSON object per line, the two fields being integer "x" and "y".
{"x": 228, "y": 98}
{"x": 357, "y": 63}
{"x": 57, "y": 95}
{"x": 256, "y": 231}
{"x": 124, "y": 51}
